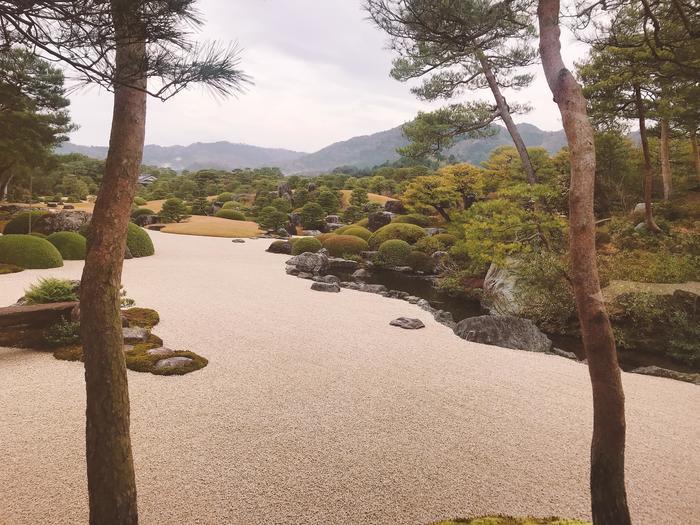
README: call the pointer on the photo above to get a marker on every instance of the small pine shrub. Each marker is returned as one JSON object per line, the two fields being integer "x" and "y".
{"x": 404, "y": 232}
{"x": 225, "y": 197}
{"x": 142, "y": 211}
{"x": 394, "y": 252}
{"x": 51, "y": 290}
{"x": 71, "y": 245}
{"x": 344, "y": 245}
{"x": 420, "y": 262}
{"x": 230, "y": 214}
{"x": 139, "y": 242}
{"x": 413, "y": 218}
{"x": 358, "y": 231}
{"x": 305, "y": 244}
{"x": 19, "y": 225}
{"x": 29, "y": 251}
{"x": 441, "y": 242}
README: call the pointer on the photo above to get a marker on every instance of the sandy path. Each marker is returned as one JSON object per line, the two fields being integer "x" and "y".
{"x": 314, "y": 410}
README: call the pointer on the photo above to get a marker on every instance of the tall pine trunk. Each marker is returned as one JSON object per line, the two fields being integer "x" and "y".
{"x": 696, "y": 152}
{"x": 648, "y": 168}
{"x": 110, "y": 468}
{"x": 666, "y": 159}
{"x": 504, "y": 112}
{"x": 608, "y": 494}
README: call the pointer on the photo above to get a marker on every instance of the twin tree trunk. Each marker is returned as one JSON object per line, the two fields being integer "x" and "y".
{"x": 648, "y": 169}
{"x": 504, "y": 113}
{"x": 110, "y": 467}
{"x": 608, "y": 495}
{"x": 666, "y": 158}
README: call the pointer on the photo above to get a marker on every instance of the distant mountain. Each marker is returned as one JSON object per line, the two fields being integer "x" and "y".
{"x": 364, "y": 151}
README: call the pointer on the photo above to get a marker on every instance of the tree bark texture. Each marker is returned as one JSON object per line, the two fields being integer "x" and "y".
{"x": 648, "y": 168}
{"x": 696, "y": 152}
{"x": 666, "y": 159}
{"x": 607, "y": 481}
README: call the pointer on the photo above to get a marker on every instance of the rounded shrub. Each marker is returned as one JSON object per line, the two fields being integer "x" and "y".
{"x": 322, "y": 238}
{"x": 28, "y": 251}
{"x": 71, "y": 245}
{"x": 420, "y": 262}
{"x": 284, "y": 247}
{"x": 142, "y": 211}
{"x": 404, "y": 232}
{"x": 413, "y": 218}
{"x": 139, "y": 201}
{"x": 305, "y": 244}
{"x": 230, "y": 214}
{"x": 225, "y": 197}
{"x": 439, "y": 242}
{"x": 358, "y": 231}
{"x": 138, "y": 242}
{"x": 394, "y": 252}
{"x": 230, "y": 204}
{"x": 40, "y": 235}
{"x": 19, "y": 225}
{"x": 342, "y": 245}
{"x": 343, "y": 229}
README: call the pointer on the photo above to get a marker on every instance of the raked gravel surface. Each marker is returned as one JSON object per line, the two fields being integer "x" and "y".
{"x": 314, "y": 410}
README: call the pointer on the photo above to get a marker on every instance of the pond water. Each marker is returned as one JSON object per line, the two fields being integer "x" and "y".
{"x": 461, "y": 308}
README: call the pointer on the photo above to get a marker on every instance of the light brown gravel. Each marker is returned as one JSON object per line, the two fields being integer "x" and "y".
{"x": 314, "y": 410}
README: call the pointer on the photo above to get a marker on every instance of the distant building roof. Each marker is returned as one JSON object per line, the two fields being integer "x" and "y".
{"x": 146, "y": 179}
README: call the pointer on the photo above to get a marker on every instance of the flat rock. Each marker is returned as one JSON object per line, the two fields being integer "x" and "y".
{"x": 339, "y": 264}
{"x": 326, "y": 279}
{"x": 407, "y": 323}
{"x": 238, "y": 240}
{"x": 305, "y": 275}
{"x": 310, "y": 262}
{"x": 670, "y": 374}
{"x": 160, "y": 351}
{"x": 135, "y": 334}
{"x": 172, "y": 362}
{"x": 326, "y": 287}
{"x": 505, "y": 331}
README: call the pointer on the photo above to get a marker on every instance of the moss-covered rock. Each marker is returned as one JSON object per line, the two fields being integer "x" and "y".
{"x": 72, "y": 246}
{"x": 138, "y": 241}
{"x": 345, "y": 245}
{"x": 144, "y": 317}
{"x": 305, "y": 244}
{"x": 28, "y": 251}
{"x": 405, "y": 232}
{"x": 147, "y": 357}
{"x": 19, "y": 224}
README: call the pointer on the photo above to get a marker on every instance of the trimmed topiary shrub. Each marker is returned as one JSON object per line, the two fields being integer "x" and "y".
{"x": 358, "y": 231}
{"x": 230, "y": 205}
{"x": 51, "y": 290}
{"x": 225, "y": 197}
{"x": 140, "y": 201}
{"x": 413, "y": 218}
{"x": 405, "y": 232}
{"x": 305, "y": 244}
{"x": 343, "y": 229}
{"x": 284, "y": 247}
{"x": 40, "y": 235}
{"x": 394, "y": 252}
{"x": 9, "y": 268}
{"x": 19, "y": 225}
{"x": 142, "y": 211}
{"x": 439, "y": 242}
{"x": 344, "y": 245}
{"x": 322, "y": 238}
{"x": 138, "y": 242}
{"x": 72, "y": 246}
{"x": 420, "y": 262}
{"x": 233, "y": 215}
{"x": 28, "y": 251}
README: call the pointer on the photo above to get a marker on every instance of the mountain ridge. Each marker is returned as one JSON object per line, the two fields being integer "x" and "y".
{"x": 364, "y": 151}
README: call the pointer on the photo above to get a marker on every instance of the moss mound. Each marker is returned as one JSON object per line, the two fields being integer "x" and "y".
{"x": 413, "y": 218}
{"x": 72, "y": 246}
{"x": 19, "y": 225}
{"x": 144, "y": 317}
{"x": 284, "y": 247}
{"x": 138, "y": 242}
{"x": 509, "y": 520}
{"x": 404, "y": 232}
{"x": 10, "y": 268}
{"x": 139, "y": 360}
{"x": 395, "y": 252}
{"x": 342, "y": 245}
{"x": 358, "y": 231}
{"x": 230, "y": 214}
{"x": 142, "y": 211}
{"x": 305, "y": 244}
{"x": 28, "y": 251}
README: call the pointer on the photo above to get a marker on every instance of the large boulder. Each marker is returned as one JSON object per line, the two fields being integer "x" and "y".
{"x": 314, "y": 263}
{"x": 325, "y": 287}
{"x": 378, "y": 219}
{"x": 395, "y": 206}
{"x": 146, "y": 220}
{"x": 504, "y": 330}
{"x": 62, "y": 221}
{"x": 500, "y": 287}
{"x": 24, "y": 326}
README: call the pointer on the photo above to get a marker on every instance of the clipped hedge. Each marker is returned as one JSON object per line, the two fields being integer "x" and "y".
{"x": 438, "y": 242}
{"x": 404, "y": 232}
{"x": 342, "y": 245}
{"x": 140, "y": 201}
{"x": 233, "y": 215}
{"x": 413, "y": 218}
{"x": 19, "y": 225}
{"x": 395, "y": 252}
{"x": 358, "y": 231}
{"x": 142, "y": 211}
{"x": 420, "y": 262}
{"x": 138, "y": 242}
{"x": 71, "y": 245}
{"x": 28, "y": 251}
{"x": 305, "y": 244}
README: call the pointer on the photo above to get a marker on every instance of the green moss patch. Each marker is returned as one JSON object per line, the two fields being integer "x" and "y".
{"x": 144, "y": 317}
{"x": 508, "y": 520}
{"x": 139, "y": 360}
{"x": 10, "y": 268}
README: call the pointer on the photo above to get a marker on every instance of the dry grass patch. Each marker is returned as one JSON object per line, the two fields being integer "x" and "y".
{"x": 373, "y": 197}
{"x": 213, "y": 227}
{"x": 508, "y": 520}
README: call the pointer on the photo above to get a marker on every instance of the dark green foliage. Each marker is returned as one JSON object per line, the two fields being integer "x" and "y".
{"x": 439, "y": 242}
{"x": 51, "y": 290}
{"x": 357, "y": 231}
{"x": 28, "y": 251}
{"x": 142, "y": 211}
{"x": 342, "y": 245}
{"x": 139, "y": 242}
{"x": 420, "y": 262}
{"x": 144, "y": 317}
{"x": 359, "y": 197}
{"x": 413, "y": 218}
{"x": 230, "y": 214}
{"x": 270, "y": 218}
{"x": 173, "y": 210}
{"x": 63, "y": 333}
{"x": 20, "y": 223}
{"x": 284, "y": 247}
{"x": 305, "y": 244}
{"x": 405, "y": 232}
{"x": 394, "y": 252}
{"x": 71, "y": 245}
{"x": 9, "y": 268}
{"x": 200, "y": 206}
{"x": 312, "y": 216}
{"x": 225, "y": 197}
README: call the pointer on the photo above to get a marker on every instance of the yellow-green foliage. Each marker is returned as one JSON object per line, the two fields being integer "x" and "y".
{"x": 233, "y": 215}
{"x": 509, "y": 520}
{"x": 650, "y": 266}
{"x": 358, "y": 231}
{"x": 138, "y": 360}
{"x": 413, "y": 218}
{"x": 405, "y": 232}
{"x": 394, "y": 252}
{"x": 20, "y": 223}
{"x": 71, "y": 245}
{"x": 305, "y": 244}
{"x": 28, "y": 251}
{"x": 9, "y": 268}
{"x": 342, "y": 245}
{"x": 144, "y": 317}
{"x": 322, "y": 238}
{"x": 138, "y": 241}
{"x": 51, "y": 290}
{"x": 439, "y": 242}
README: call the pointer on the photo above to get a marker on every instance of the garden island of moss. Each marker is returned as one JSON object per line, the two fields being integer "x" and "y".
{"x": 481, "y": 308}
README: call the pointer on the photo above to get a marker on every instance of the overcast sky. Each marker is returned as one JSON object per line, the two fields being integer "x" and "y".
{"x": 320, "y": 72}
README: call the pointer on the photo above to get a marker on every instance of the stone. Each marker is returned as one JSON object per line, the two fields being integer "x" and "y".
{"x": 314, "y": 263}
{"x": 402, "y": 269}
{"x": 407, "y": 323}
{"x": 504, "y": 330}
{"x": 171, "y": 363}
{"x": 280, "y": 247}
{"x": 424, "y": 304}
{"x": 326, "y": 287}
{"x": 360, "y": 275}
{"x": 338, "y": 264}
{"x": 444, "y": 317}
{"x": 52, "y": 204}
{"x": 283, "y": 189}
{"x": 378, "y": 219}
{"x": 292, "y": 270}
{"x": 326, "y": 279}
{"x": 564, "y": 353}
{"x": 412, "y": 299}
{"x": 670, "y": 374}
{"x": 434, "y": 231}
{"x": 373, "y": 288}
{"x": 395, "y": 206}
{"x": 305, "y": 275}
{"x": 311, "y": 233}
{"x": 62, "y": 221}
{"x": 238, "y": 241}
{"x": 333, "y": 219}
{"x": 639, "y": 227}
{"x": 369, "y": 254}
{"x": 500, "y": 286}
{"x": 135, "y": 334}
{"x": 160, "y": 351}
{"x": 146, "y": 220}
{"x": 68, "y": 207}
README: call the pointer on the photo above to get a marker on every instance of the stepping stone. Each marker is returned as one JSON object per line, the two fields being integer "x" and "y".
{"x": 238, "y": 240}
{"x": 172, "y": 362}
{"x": 407, "y": 323}
{"x": 326, "y": 287}
{"x": 135, "y": 334}
{"x": 160, "y": 351}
